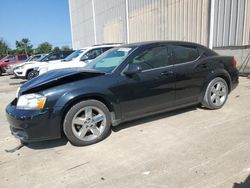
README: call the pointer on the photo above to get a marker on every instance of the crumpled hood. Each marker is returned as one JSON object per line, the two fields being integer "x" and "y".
{"x": 57, "y": 77}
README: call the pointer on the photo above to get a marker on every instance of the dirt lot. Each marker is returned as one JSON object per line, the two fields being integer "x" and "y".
{"x": 186, "y": 148}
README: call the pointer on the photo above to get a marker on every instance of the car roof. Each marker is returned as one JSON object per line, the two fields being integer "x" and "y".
{"x": 148, "y": 43}
{"x": 61, "y": 52}
{"x": 100, "y": 46}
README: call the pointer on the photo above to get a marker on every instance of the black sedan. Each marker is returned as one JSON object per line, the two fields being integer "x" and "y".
{"x": 124, "y": 83}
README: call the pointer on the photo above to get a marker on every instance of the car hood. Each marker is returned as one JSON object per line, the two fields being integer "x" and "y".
{"x": 3, "y": 64}
{"x": 57, "y": 77}
{"x": 66, "y": 64}
{"x": 17, "y": 64}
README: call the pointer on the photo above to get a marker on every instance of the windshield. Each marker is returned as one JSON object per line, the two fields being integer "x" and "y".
{"x": 41, "y": 58}
{"x": 6, "y": 57}
{"x": 74, "y": 55}
{"x": 109, "y": 60}
{"x": 28, "y": 59}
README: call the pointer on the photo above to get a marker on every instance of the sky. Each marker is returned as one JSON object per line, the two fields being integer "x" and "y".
{"x": 38, "y": 20}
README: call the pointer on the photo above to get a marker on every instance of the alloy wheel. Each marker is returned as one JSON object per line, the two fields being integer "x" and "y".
{"x": 218, "y": 93}
{"x": 88, "y": 123}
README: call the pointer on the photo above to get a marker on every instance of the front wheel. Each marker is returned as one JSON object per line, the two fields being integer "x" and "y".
{"x": 32, "y": 74}
{"x": 216, "y": 94}
{"x": 87, "y": 122}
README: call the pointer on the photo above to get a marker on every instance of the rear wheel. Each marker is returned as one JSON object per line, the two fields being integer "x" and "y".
{"x": 216, "y": 94}
{"x": 1, "y": 72}
{"x": 87, "y": 122}
{"x": 32, "y": 74}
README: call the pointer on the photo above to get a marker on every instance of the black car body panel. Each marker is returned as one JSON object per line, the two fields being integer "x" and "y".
{"x": 127, "y": 97}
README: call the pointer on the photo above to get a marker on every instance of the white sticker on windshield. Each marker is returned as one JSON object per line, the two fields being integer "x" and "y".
{"x": 124, "y": 49}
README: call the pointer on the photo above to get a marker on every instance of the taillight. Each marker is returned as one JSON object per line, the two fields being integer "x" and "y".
{"x": 234, "y": 63}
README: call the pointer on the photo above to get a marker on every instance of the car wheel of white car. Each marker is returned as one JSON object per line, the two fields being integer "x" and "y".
{"x": 32, "y": 74}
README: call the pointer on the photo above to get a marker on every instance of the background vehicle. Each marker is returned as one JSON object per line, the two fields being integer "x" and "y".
{"x": 10, "y": 68}
{"x": 29, "y": 69}
{"x": 128, "y": 82}
{"x": 79, "y": 58}
{"x": 11, "y": 59}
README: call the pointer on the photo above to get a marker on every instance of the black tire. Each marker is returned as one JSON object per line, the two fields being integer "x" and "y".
{"x": 32, "y": 74}
{"x": 1, "y": 72}
{"x": 67, "y": 124}
{"x": 207, "y": 99}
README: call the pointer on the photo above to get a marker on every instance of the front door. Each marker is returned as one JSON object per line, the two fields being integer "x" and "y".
{"x": 151, "y": 90}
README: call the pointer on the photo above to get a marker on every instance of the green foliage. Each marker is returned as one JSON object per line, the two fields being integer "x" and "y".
{"x": 56, "y": 49}
{"x": 65, "y": 48}
{"x": 43, "y": 48}
{"x": 4, "y": 48}
{"x": 24, "y": 46}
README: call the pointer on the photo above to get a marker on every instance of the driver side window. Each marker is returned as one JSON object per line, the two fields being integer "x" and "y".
{"x": 53, "y": 57}
{"x": 152, "y": 58}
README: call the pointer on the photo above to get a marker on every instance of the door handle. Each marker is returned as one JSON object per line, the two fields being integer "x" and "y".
{"x": 166, "y": 73}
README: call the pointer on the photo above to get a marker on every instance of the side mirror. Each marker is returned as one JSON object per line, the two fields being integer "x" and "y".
{"x": 132, "y": 69}
{"x": 6, "y": 60}
{"x": 84, "y": 58}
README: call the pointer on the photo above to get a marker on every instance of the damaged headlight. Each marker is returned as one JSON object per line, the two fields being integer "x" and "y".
{"x": 31, "y": 102}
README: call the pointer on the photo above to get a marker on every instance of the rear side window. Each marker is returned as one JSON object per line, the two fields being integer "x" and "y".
{"x": 36, "y": 57}
{"x": 184, "y": 54}
{"x": 152, "y": 58}
{"x": 22, "y": 57}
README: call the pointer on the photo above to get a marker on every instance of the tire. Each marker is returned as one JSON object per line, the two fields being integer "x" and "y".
{"x": 1, "y": 72}
{"x": 79, "y": 123}
{"x": 32, "y": 74}
{"x": 216, "y": 94}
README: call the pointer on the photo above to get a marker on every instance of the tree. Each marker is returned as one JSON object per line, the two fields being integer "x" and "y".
{"x": 44, "y": 48}
{"x": 65, "y": 48}
{"x": 24, "y": 46}
{"x": 56, "y": 49}
{"x": 4, "y": 48}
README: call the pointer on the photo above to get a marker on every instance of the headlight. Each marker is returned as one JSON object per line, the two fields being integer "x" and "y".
{"x": 19, "y": 67}
{"x": 31, "y": 102}
{"x": 8, "y": 66}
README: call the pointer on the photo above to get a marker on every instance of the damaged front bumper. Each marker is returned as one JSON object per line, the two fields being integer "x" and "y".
{"x": 33, "y": 125}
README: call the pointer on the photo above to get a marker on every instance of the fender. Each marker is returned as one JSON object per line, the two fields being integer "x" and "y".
{"x": 213, "y": 74}
{"x": 69, "y": 98}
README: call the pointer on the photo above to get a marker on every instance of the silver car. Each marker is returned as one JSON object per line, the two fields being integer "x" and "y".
{"x": 10, "y": 68}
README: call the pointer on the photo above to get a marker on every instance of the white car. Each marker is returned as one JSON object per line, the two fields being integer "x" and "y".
{"x": 11, "y": 67}
{"x": 79, "y": 58}
{"x": 28, "y": 70}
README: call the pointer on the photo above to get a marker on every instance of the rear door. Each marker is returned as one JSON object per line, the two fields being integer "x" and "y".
{"x": 152, "y": 89}
{"x": 189, "y": 78}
